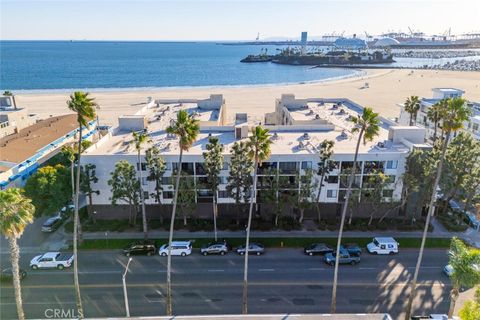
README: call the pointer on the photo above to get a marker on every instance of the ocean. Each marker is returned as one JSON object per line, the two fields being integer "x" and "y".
{"x": 48, "y": 65}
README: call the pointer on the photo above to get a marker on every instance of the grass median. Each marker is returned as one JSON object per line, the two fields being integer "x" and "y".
{"x": 268, "y": 242}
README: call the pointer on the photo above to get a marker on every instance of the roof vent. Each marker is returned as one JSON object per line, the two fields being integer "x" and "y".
{"x": 317, "y": 117}
{"x": 341, "y": 111}
{"x": 306, "y": 136}
{"x": 343, "y": 134}
{"x": 334, "y": 107}
{"x": 310, "y": 112}
{"x": 274, "y": 136}
{"x": 301, "y": 145}
{"x": 320, "y": 104}
{"x": 381, "y": 145}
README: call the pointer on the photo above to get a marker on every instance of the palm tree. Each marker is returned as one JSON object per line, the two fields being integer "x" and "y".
{"x": 186, "y": 128}
{"x": 16, "y": 211}
{"x": 139, "y": 139}
{"x": 259, "y": 150}
{"x": 367, "y": 125}
{"x": 325, "y": 153}
{"x": 435, "y": 114}
{"x": 464, "y": 262}
{"x": 455, "y": 114}
{"x": 84, "y": 107}
{"x": 213, "y": 164}
{"x": 412, "y": 105}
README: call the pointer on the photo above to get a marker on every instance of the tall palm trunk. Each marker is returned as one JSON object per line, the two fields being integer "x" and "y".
{"x": 142, "y": 198}
{"x": 453, "y": 301}
{"x": 319, "y": 193}
{"x": 435, "y": 131}
{"x": 170, "y": 237}
{"x": 333, "y": 306}
{"x": 431, "y": 208}
{"x": 14, "y": 257}
{"x": 76, "y": 223}
{"x": 247, "y": 240}
{"x": 215, "y": 212}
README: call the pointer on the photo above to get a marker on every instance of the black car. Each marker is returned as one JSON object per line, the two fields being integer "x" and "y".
{"x": 52, "y": 223}
{"x": 143, "y": 247}
{"x": 317, "y": 248}
{"x": 7, "y": 274}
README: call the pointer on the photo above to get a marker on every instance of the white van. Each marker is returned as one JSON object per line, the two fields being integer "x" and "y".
{"x": 179, "y": 248}
{"x": 383, "y": 245}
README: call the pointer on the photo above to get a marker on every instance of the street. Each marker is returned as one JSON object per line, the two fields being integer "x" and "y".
{"x": 281, "y": 281}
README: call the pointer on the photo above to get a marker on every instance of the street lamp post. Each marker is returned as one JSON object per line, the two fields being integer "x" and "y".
{"x": 125, "y": 288}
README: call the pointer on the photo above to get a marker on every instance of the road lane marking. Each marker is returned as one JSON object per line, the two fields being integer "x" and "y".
{"x": 266, "y": 270}
{"x": 226, "y": 284}
{"x": 367, "y": 268}
{"x": 216, "y": 270}
{"x": 317, "y": 269}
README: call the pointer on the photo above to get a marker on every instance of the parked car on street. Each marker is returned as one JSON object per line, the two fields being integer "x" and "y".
{"x": 383, "y": 245}
{"x": 253, "y": 248}
{"x": 352, "y": 248}
{"x": 52, "y": 223}
{"x": 317, "y": 249}
{"x": 52, "y": 260}
{"x": 345, "y": 258}
{"x": 179, "y": 248}
{"x": 141, "y": 248}
{"x": 7, "y": 274}
{"x": 214, "y": 248}
{"x": 472, "y": 220}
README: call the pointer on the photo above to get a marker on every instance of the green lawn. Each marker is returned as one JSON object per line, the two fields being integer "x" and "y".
{"x": 271, "y": 242}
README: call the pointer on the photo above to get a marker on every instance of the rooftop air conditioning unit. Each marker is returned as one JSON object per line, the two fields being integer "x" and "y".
{"x": 306, "y": 136}
{"x": 381, "y": 145}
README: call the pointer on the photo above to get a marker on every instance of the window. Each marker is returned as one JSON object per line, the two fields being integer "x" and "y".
{"x": 306, "y": 165}
{"x": 332, "y": 179}
{"x": 288, "y": 167}
{"x": 475, "y": 127}
{"x": 372, "y": 166}
{"x": 144, "y": 166}
{"x": 344, "y": 181}
{"x": 331, "y": 193}
{"x": 266, "y": 167}
{"x": 187, "y": 167}
{"x": 225, "y": 166}
{"x": 144, "y": 181}
{"x": 167, "y": 180}
{"x": 223, "y": 180}
{"x": 168, "y": 166}
{"x": 387, "y": 193}
{"x": 392, "y": 164}
{"x": 199, "y": 168}
{"x": 222, "y": 194}
{"x": 391, "y": 179}
{"x": 146, "y": 195}
{"x": 347, "y": 166}
{"x": 167, "y": 195}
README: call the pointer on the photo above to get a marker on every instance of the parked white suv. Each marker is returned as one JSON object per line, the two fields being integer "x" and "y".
{"x": 179, "y": 248}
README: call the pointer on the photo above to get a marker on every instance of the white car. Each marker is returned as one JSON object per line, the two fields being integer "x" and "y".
{"x": 179, "y": 248}
{"x": 52, "y": 260}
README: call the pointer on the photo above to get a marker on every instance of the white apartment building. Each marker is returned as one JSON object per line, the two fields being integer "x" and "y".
{"x": 297, "y": 127}
{"x": 13, "y": 118}
{"x": 472, "y": 125}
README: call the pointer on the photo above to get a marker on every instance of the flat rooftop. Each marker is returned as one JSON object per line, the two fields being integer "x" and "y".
{"x": 283, "y": 142}
{"x": 331, "y": 113}
{"x": 159, "y": 117}
{"x": 25, "y": 144}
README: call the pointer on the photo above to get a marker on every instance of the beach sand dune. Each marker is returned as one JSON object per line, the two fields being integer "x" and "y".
{"x": 386, "y": 88}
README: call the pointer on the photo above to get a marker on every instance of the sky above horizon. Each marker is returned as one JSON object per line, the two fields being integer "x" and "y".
{"x": 227, "y": 19}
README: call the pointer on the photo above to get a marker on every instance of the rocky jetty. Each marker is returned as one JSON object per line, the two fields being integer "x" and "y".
{"x": 457, "y": 65}
{"x": 435, "y": 54}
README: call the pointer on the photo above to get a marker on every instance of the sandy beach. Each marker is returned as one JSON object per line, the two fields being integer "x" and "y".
{"x": 386, "y": 88}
